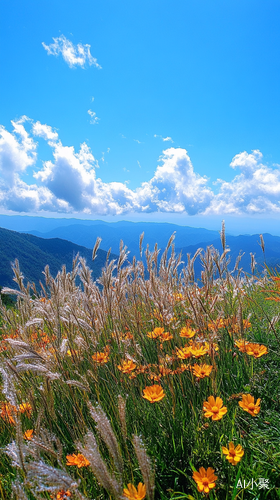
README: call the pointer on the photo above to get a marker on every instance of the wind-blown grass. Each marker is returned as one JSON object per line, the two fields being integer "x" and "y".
{"x": 137, "y": 378}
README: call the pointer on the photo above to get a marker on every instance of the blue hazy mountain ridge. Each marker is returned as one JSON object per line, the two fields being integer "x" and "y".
{"x": 129, "y": 233}
{"x": 26, "y": 223}
{"x": 35, "y": 253}
{"x": 243, "y": 244}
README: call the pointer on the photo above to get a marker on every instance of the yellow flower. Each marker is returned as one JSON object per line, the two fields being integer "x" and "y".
{"x": 214, "y": 408}
{"x": 205, "y": 480}
{"x": 7, "y": 412}
{"x": 127, "y": 366}
{"x": 101, "y": 357}
{"x": 248, "y": 404}
{"x": 62, "y": 495}
{"x": 233, "y": 455}
{"x": 164, "y": 371}
{"x": 26, "y": 408}
{"x": 183, "y": 353}
{"x": 201, "y": 371}
{"x": 256, "y": 350}
{"x": 198, "y": 350}
{"x": 166, "y": 336}
{"x": 187, "y": 332}
{"x": 153, "y": 393}
{"x": 28, "y": 435}
{"x": 135, "y": 494}
{"x": 215, "y": 325}
{"x": 78, "y": 460}
{"x": 241, "y": 344}
{"x": 157, "y": 332}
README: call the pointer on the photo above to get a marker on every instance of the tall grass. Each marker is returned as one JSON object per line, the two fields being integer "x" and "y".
{"x": 77, "y": 358}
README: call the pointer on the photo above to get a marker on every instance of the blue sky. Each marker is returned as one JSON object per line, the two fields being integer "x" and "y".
{"x": 151, "y": 110}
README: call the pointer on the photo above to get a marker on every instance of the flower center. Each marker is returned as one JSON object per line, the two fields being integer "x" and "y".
{"x": 232, "y": 453}
{"x": 205, "y": 481}
{"x": 251, "y": 406}
{"x": 215, "y": 409}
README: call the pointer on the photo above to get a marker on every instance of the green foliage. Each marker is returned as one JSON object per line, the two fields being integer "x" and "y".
{"x": 81, "y": 343}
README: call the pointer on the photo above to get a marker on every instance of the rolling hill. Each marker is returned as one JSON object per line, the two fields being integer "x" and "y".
{"x": 129, "y": 232}
{"x": 35, "y": 253}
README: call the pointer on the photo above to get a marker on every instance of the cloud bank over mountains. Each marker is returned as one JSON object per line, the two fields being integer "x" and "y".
{"x": 67, "y": 183}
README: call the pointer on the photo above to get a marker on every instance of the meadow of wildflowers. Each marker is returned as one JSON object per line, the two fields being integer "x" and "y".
{"x": 144, "y": 384}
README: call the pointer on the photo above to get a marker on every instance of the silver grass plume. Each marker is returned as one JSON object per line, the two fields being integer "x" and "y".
{"x": 18, "y": 491}
{"x": 253, "y": 262}
{"x": 121, "y": 408}
{"x": 43, "y": 477}
{"x": 95, "y": 248}
{"x": 8, "y": 385}
{"x": 91, "y": 452}
{"x": 16, "y": 453}
{"x": 262, "y": 242}
{"x": 107, "y": 434}
{"x": 140, "y": 243}
{"x": 145, "y": 466}
{"x": 21, "y": 367}
{"x": 223, "y": 235}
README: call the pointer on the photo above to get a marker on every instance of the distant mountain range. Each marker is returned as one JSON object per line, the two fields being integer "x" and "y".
{"x": 85, "y": 232}
{"x": 57, "y": 241}
{"x": 35, "y": 253}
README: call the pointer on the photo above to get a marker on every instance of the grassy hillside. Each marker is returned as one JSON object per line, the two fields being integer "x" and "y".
{"x": 146, "y": 380}
{"x": 35, "y": 253}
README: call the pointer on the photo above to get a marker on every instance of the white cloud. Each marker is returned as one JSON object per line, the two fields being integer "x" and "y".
{"x": 175, "y": 186}
{"x": 255, "y": 190}
{"x": 93, "y": 118}
{"x": 68, "y": 183}
{"x": 139, "y": 142}
{"x": 17, "y": 152}
{"x": 44, "y": 131}
{"x": 73, "y": 55}
{"x": 164, "y": 139}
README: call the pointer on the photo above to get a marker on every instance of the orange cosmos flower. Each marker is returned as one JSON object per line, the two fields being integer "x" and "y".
{"x": 201, "y": 371}
{"x": 28, "y": 435}
{"x": 177, "y": 297}
{"x": 233, "y": 455}
{"x": 198, "y": 350}
{"x": 127, "y": 366}
{"x": 25, "y": 408}
{"x": 256, "y": 350}
{"x": 164, "y": 371}
{"x": 187, "y": 332}
{"x": 101, "y": 357}
{"x": 135, "y": 494}
{"x": 153, "y": 393}
{"x": 157, "y": 332}
{"x": 166, "y": 336}
{"x": 205, "y": 480}
{"x": 241, "y": 344}
{"x": 183, "y": 353}
{"x": 248, "y": 404}
{"x": 78, "y": 460}
{"x": 62, "y": 495}
{"x": 215, "y": 325}
{"x": 7, "y": 410}
{"x": 214, "y": 408}
{"x": 246, "y": 323}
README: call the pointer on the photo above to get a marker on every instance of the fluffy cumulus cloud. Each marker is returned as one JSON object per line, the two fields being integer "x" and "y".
{"x": 68, "y": 183}
{"x": 255, "y": 190}
{"x": 73, "y": 55}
